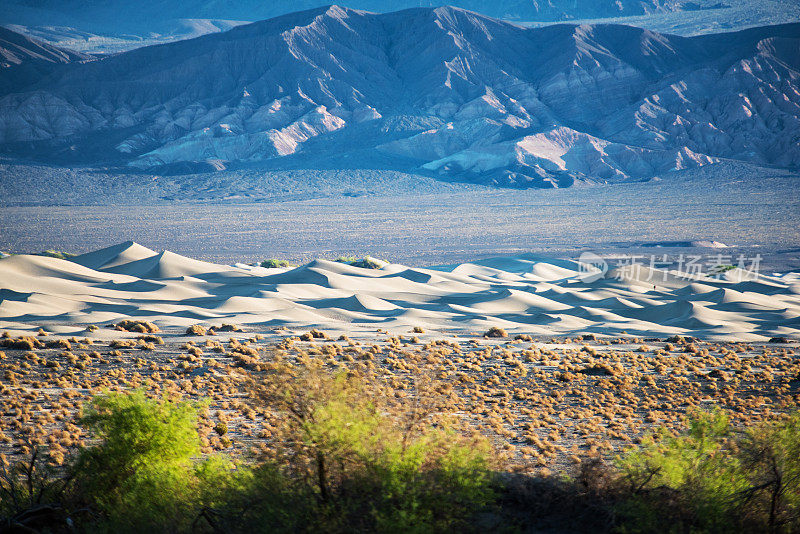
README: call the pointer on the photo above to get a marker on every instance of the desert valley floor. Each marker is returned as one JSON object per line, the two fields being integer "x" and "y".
{"x": 589, "y": 364}
{"x": 546, "y": 403}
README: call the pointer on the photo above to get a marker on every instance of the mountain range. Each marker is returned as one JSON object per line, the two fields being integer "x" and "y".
{"x": 111, "y": 26}
{"x": 441, "y": 90}
{"x": 122, "y": 16}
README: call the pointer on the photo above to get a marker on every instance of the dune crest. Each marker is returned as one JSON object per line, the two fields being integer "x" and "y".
{"x": 523, "y": 294}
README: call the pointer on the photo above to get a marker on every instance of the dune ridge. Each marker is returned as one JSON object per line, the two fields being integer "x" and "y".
{"x": 523, "y": 294}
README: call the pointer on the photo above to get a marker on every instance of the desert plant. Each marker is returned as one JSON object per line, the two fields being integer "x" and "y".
{"x": 690, "y": 474}
{"x": 770, "y": 458}
{"x": 275, "y": 264}
{"x": 33, "y": 495}
{"x": 156, "y": 340}
{"x": 51, "y": 253}
{"x": 196, "y": 330}
{"x": 142, "y": 327}
{"x": 719, "y": 269}
{"x": 715, "y": 479}
{"x": 372, "y": 466}
{"x": 364, "y": 263}
{"x": 139, "y": 474}
{"x": 495, "y": 332}
{"x": 250, "y": 499}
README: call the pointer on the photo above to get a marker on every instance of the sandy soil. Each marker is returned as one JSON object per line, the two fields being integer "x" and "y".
{"x": 547, "y": 403}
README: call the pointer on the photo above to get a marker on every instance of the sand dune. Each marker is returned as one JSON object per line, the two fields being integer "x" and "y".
{"x": 523, "y": 294}
{"x": 115, "y": 255}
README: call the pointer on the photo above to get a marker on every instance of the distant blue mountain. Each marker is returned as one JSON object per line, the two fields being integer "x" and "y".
{"x": 442, "y": 91}
{"x": 108, "y": 26}
{"x": 124, "y": 16}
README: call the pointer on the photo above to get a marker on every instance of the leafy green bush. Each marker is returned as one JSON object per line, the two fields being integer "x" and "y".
{"x": 141, "y": 474}
{"x": 250, "y": 499}
{"x": 364, "y": 263}
{"x": 719, "y": 269}
{"x": 770, "y": 458}
{"x": 51, "y": 253}
{"x": 713, "y": 479}
{"x": 691, "y": 472}
{"x": 274, "y": 264}
{"x": 371, "y": 467}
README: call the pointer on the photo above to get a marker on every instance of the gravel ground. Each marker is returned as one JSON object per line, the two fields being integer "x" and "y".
{"x": 547, "y": 403}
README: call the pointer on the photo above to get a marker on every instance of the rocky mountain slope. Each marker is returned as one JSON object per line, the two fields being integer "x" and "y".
{"x": 24, "y": 60}
{"x": 457, "y": 94}
{"x": 111, "y": 41}
{"x": 16, "y": 49}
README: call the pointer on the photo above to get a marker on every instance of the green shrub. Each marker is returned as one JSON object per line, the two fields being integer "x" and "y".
{"x": 50, "y": 253}
{"x": 141, "y": 473}
{"x": 714, "y": 479}
{"x": 427, "y": 491}
{"x": 274, "y": 264}
{"x": 692, "y": 472}
{"x": 372, "y": 467}
{"x": 364, "y": 263}
{"x": 770, "y": 457}
{"x": 251, "y": 499}
{"x": 719, "y": 269}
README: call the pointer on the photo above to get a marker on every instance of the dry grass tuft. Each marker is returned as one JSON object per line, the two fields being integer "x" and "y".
{"x": 21, "y": 343}
{"x": 142, "y": 327}
{"x": 495, "y": 332}
{"x": 314, "y": 334}
{"x": 196, "y": 330}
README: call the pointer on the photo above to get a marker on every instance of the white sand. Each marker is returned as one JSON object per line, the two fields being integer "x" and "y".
{"x": 523, "y": 294}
